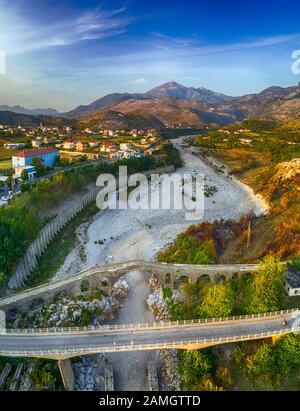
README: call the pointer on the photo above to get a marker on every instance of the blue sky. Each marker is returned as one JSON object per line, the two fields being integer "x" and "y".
{"x": 64, "y": 53}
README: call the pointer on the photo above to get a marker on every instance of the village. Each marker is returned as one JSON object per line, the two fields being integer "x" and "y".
{"x": 27, "y": 153}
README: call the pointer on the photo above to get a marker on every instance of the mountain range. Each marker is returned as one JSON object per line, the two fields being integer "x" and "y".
{"x": 34, "y": 112}
{"x": 172, "y": 104}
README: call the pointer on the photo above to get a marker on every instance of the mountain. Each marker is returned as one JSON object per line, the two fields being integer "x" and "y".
{"x": 103, "y": 102}
{"x": 22, "y": 110}
{"x": 174, "y": 104}
{"x": 16, "y": 119}
{"x": 201, "y": 95}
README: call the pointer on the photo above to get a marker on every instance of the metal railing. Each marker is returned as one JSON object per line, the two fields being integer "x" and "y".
{"x": 142, "y": 326}
{"x": 137, "y": 347}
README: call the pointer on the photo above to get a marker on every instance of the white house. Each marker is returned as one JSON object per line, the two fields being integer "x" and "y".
{"x": 125, "y": 146}
{"x": 292, "y": 281}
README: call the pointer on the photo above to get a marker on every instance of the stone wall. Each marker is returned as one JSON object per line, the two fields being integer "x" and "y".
{"x": 67, "y": 374}
{"x": 46, "y": 235}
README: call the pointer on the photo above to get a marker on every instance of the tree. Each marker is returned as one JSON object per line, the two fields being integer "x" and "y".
{"x": 24, "y": 175}
{"x": 28, "y": 144}
{"x": 287, "y": 354}
{"x": 267, "y": 289}
{"x": 261, "y": 364}
{"x": 39, "y": 166}
{"x": 194, "y": 366}
{"x": 218, "y": 302}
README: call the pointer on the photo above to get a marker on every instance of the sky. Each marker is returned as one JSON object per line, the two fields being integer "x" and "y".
{"x": 64, "y": 53}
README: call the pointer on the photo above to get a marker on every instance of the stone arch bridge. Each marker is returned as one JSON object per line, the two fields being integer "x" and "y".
{"x": 104, "y": 276}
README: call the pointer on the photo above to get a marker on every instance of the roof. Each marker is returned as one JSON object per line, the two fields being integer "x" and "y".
{"x": 293, "y": 276}
{"x": 36, "y": 152}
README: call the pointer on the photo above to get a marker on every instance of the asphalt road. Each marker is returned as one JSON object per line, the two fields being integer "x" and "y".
{"x": 116, "y": 339}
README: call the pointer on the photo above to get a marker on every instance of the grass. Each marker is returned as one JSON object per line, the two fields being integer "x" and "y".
{"x": 56, "y": 253}
{"x": 5, "y": 163}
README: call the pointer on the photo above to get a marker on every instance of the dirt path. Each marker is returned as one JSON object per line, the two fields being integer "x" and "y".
{"x": 130, "y": 369}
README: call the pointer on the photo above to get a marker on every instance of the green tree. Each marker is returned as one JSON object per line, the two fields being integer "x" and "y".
{"x": 39, "y": 166}
{"x": 261, "y": 364}
{"x": 267, "y": 289}
{"x": 194, "y": 365}
{"x": 287, "y": 354}
{"x": 218, "y": 301}
{"x": 24, "y": 175}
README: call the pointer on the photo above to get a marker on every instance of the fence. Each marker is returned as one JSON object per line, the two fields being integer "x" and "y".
{"x": 46, "y": 235}
{"x": 139, "y": 347}
{"x": 142, "y": 326}
{"x": 39, "y": 245}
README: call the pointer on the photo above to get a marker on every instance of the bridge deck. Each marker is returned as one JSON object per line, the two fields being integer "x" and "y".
{"x": 64, "y": 344}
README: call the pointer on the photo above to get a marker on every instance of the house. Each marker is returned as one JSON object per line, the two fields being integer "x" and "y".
{"x": 82, "y": 145}
{"x": 30, "y": 171}
{"x": 125, "y": 146}
{"x": 113, "y": 153}
{"x": 13, "y": 146}
{"x": 107, "y": 146}
{"x": 3, "y": 182}
{"x": 292, "y": 281}
{"x": 93, "y": 144}
{"x": 36, "y": 143}
{"x": 24, "y": 158}
{"x": 69, "y": 144}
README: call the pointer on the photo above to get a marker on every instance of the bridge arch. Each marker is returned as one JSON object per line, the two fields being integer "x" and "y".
{"x": 85, "y": 285}
{"x": 180, "y": 280}
{"x": 203, "y": 278}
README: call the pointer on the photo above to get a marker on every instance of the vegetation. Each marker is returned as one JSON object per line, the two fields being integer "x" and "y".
{"x": 265, "y": 162}
{"x": 21, "y": 220}
{"x": 187, "y": 249}
{"x": 270, "y": 364}
{"x": 45, "y": 375}
{"x": 267, "y": 289}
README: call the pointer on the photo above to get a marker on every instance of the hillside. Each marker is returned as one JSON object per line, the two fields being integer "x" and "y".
{"x": 15, "y": 119}
{"x": 174, "y": 104}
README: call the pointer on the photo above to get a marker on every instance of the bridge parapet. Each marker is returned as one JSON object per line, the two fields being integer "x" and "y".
{"x": 113, "y": 271}
{"x": 70, "y": 352}
{"x": 105, "y": 328}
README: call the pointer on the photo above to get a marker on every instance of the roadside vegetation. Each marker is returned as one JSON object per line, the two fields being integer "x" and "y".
{"x": 27, "y": 213}
{"x": 271, "y": 364}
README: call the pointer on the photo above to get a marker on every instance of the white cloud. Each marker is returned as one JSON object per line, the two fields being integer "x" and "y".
{"x": 29, "y": 36}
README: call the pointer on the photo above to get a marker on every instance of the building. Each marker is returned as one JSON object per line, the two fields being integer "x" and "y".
{"x": 107, "y": 146}
{"x": 3, "y": 182}
{"x": 292, "y": 281}
{"x": 93, "y": 144}
{"x": 48, "y": 157}
{"x": 36, "y": 143}
{"x": 69, "y": 144}
{"x": 82, "y": 145}
{"x": 30, "y": 171}
{"x": 13, "y": 146}
{"x": 125, "y": 146}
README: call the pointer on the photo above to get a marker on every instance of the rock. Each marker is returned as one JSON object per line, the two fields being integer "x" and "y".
{"x": 158, "y": 305}
{"x": 154, "y": 283}
{"x": 120, "y": 288}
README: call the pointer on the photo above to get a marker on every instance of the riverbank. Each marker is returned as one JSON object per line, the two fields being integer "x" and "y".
{"x": 122, "y": 235}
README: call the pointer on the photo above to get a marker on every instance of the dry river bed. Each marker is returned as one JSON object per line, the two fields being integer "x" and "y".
{"x": 140, "y": 234}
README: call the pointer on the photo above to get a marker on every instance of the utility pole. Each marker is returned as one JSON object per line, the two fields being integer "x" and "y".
{"x": 249, "y": 234}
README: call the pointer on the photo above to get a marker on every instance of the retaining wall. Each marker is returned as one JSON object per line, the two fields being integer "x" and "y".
{"x": 46, "y": 235}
